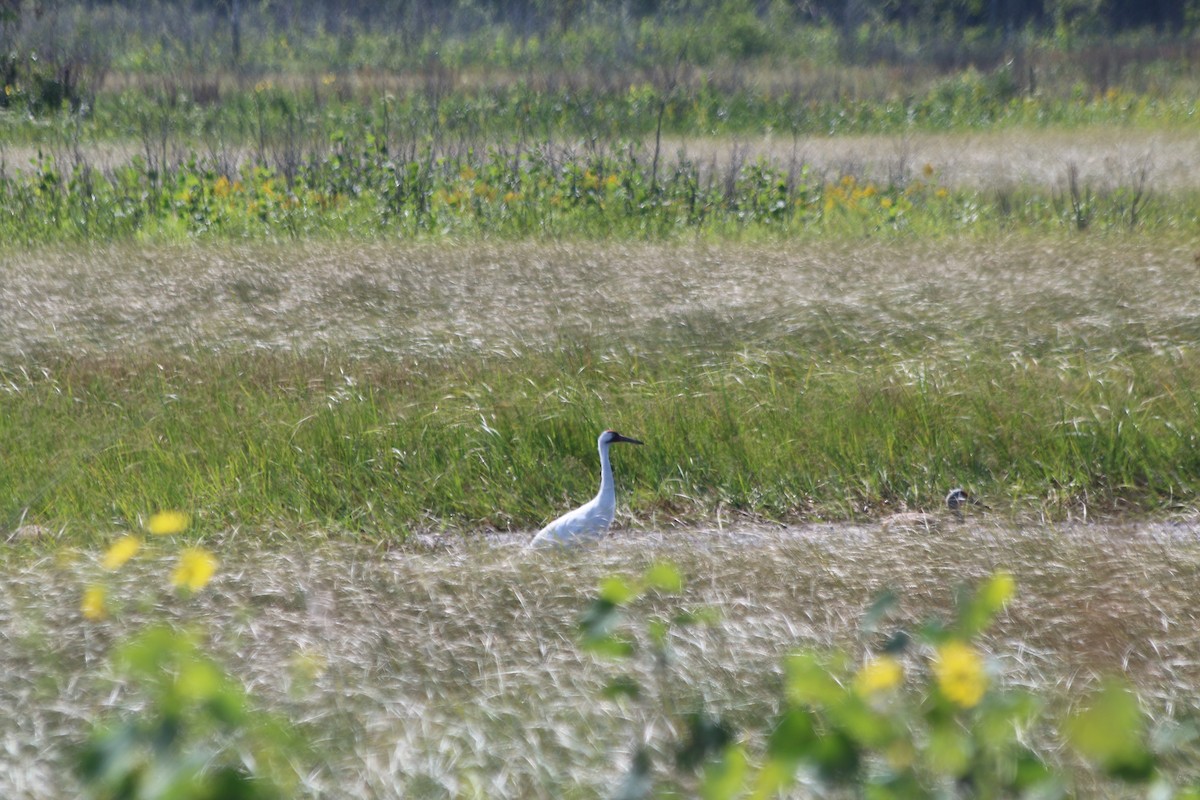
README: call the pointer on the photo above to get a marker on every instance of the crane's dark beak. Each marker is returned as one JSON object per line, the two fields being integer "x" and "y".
{"x": 619, "y": 438}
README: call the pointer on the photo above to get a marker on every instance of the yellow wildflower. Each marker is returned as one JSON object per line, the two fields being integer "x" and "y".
{"x": 92, "y": 606}
{"x": 167, "y": 523}
{"x": 879, "y": 675}
{"x": 121, "y": 551}
{"x": 195, "y": 569}
{"x": 958, "y": 669}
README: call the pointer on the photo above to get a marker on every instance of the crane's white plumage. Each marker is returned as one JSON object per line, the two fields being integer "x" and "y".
{"x": 588, "y": 522}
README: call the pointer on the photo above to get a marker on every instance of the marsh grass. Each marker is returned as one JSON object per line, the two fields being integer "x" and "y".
{"x": 452, "y": 667}
{"x": 400, "y": 389}
{"x": 347, "y": 424}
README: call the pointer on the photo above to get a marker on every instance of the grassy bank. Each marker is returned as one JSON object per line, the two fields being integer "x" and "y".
{"x": 431, "y": 387}
{"x": 501, "y": 443}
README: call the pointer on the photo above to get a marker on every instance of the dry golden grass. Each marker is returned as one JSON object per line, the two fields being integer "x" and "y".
{"x": 1104, "y": 156}
{"x": 450, "y": 667}
{"x": 1039, "y": 295}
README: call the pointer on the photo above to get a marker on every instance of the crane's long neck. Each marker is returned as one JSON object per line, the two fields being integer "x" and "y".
{"x": 607, "y": 492}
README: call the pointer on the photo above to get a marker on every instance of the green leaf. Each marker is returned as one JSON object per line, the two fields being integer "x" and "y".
{"x": 774, "y": 776}
{"x": 837, "y": 756}
{"x": 792, "y": 739}
{"x": 978, "y": 611}
{"x": 724, "y": 777}
{"x": 663, "y": 576}
{"x": 658, "y": 630}
{"x": 949, "y": 749}
{"x": 617, "y": 590}
{"x": 1111, "y": 731}
{"x": 1033, "y": 773}
{"x": 809, "y": 681}
{"x": 862, "y": 722}
{"x": 613, "y": 646}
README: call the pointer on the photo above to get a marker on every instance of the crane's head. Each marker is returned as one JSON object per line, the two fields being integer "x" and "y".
{"x": 608, "y": 437}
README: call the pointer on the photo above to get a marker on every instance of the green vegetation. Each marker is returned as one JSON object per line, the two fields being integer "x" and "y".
{"x": 919, "y": 714}
{"x": 344, "y": 286}
{"x": 501, "y": 442}
{"x": 911, "y": 708}
{"x": 114, "y": 131}
{"x": 515, "y": 194}
{"x": 465, "y": 387}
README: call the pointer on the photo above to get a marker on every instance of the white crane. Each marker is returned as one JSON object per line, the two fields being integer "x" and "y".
{"x": 588, "y": 522}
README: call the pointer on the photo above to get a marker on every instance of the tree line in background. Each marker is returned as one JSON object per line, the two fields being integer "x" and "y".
{"x": 59, "y": 53}
{"x": 541, "y": 16}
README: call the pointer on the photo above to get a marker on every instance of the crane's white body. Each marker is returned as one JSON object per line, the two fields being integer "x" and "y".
{"x": 591, "y": 520}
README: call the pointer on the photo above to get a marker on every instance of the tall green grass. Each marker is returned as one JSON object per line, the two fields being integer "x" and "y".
{"x": 489, "y": 442}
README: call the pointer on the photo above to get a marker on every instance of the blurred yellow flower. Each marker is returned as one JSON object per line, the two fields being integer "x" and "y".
{"x": 958, "y": 669}
{"x": 879, "y": 675}
{"x": 195, "y": 569}
{"x": 121, "y": 551}
{"x": 167, "y": 523}
{"x": 92, "y": 606}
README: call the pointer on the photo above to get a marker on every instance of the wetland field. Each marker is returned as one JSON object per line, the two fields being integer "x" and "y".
{"x": 310, "y": 319}
{"x": 366, "y": 434}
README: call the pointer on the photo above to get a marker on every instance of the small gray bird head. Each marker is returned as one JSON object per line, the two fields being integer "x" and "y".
{"x": 958, "y": 498}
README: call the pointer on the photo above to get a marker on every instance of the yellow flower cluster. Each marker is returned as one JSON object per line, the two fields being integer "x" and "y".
{"x": 193, "y": 571}
{"x": 958, "y": 669}
{"x": 121, "y": 551}
{"x": 93, "y": 606}
{"x": 167, "y": 523}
